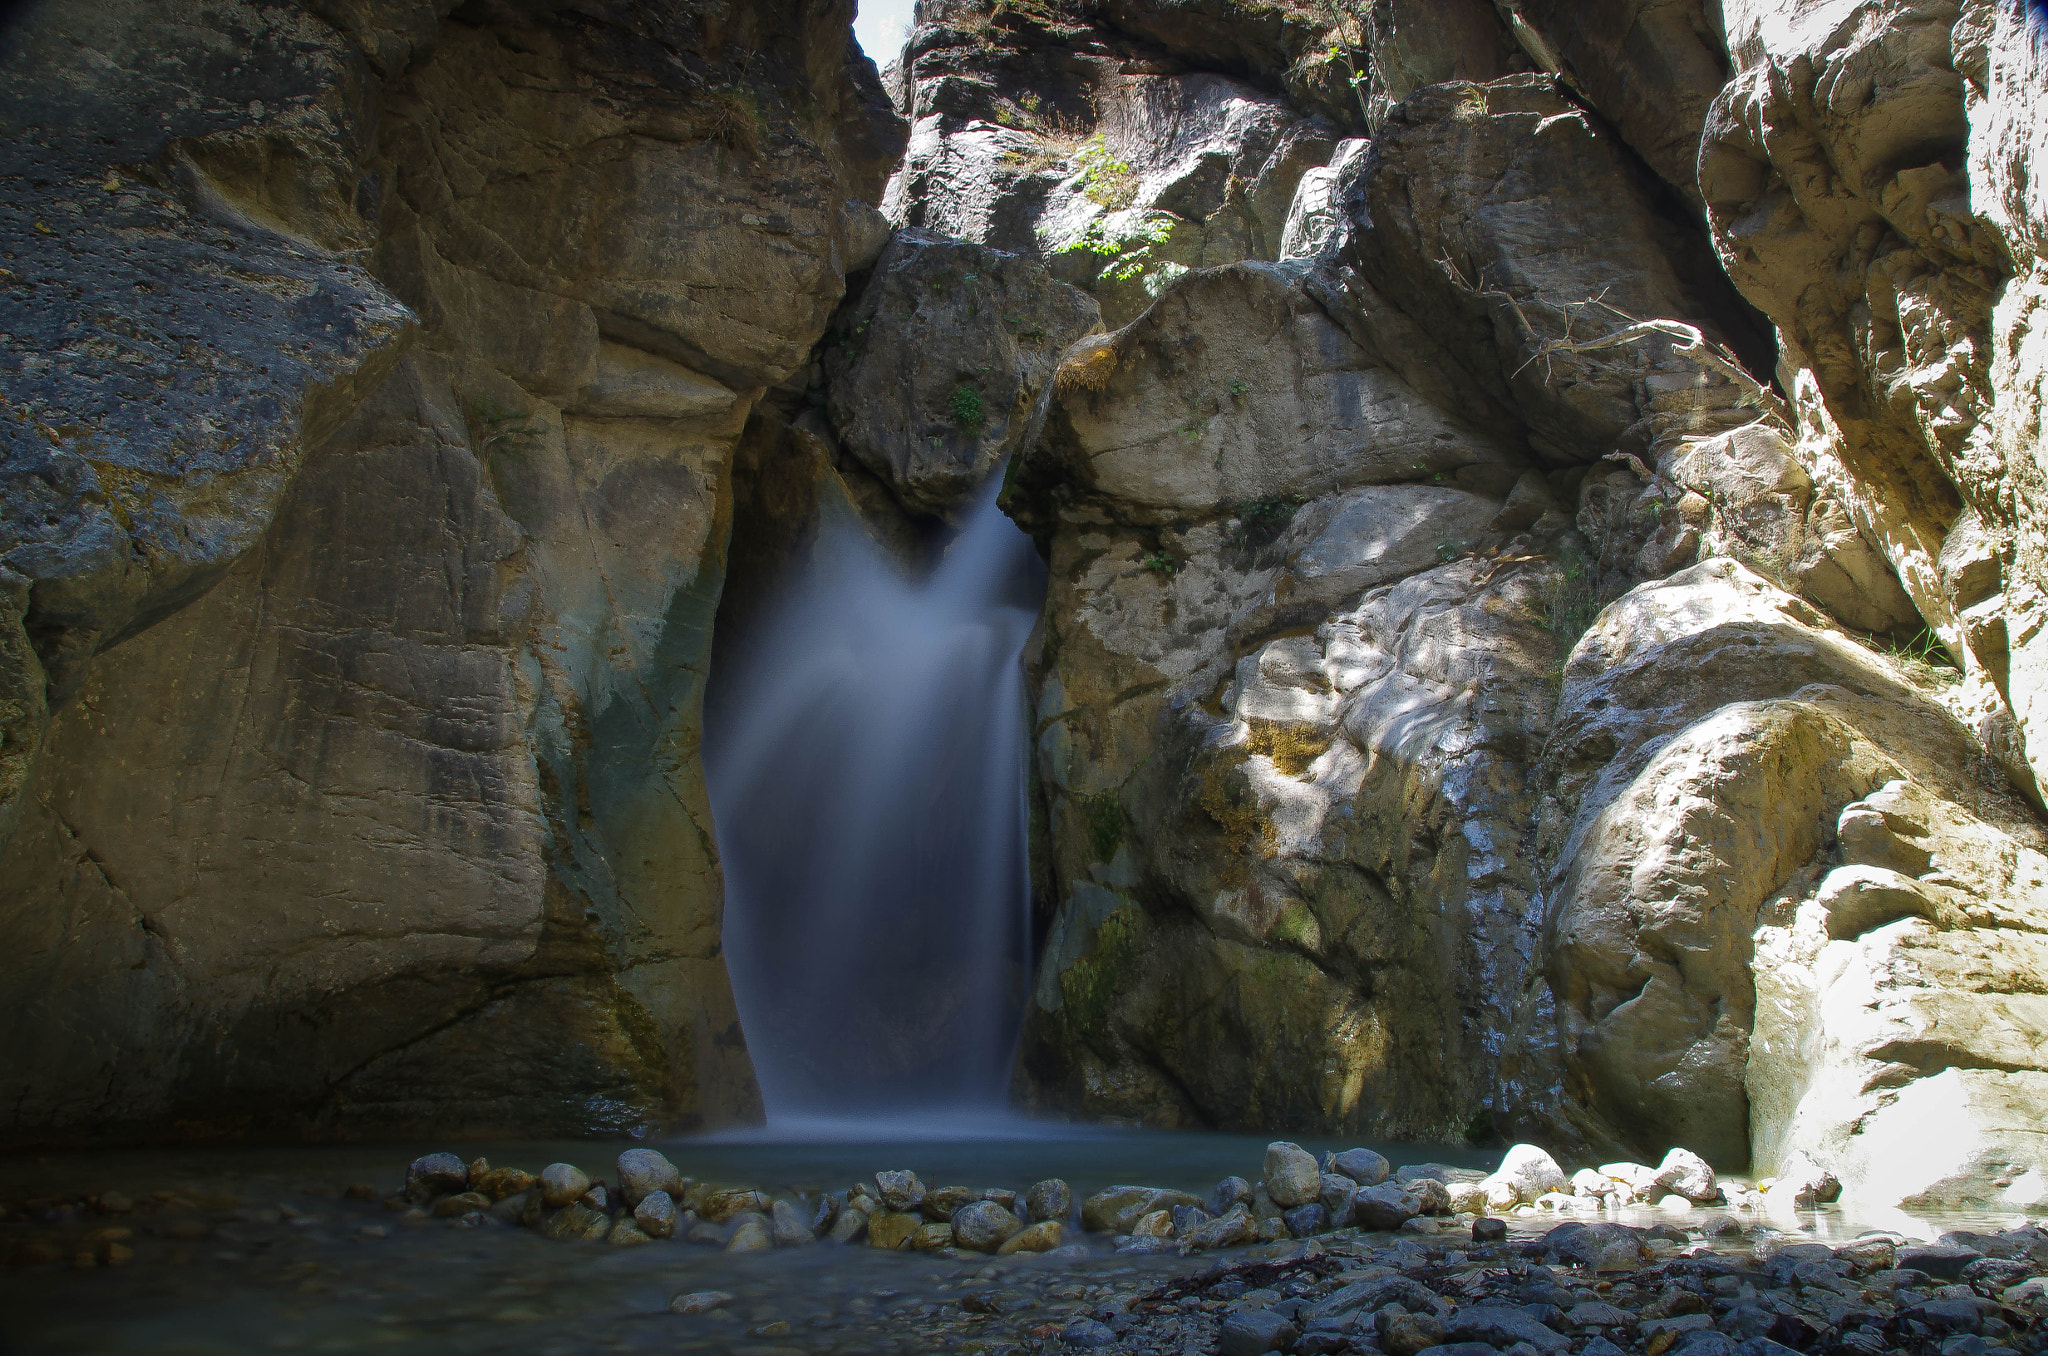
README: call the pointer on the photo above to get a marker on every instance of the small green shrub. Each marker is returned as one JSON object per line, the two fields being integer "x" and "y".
{"x": 1163, "y": 563}
{"x": 967, "y": 410}
{"x": 1105, "y": 180}
{"x": 1129, "y": 252}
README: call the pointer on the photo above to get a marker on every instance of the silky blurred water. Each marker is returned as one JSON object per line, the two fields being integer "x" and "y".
{"x": 866, "y": 765}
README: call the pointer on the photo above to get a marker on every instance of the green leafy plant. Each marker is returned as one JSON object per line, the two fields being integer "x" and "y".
{"x": 1163, "y": 563}
{"x": 1129, "y": 252}
{"x": 1237, "y": 391}
{"x": 966, "y": 407}
{"x": 1105, "y": 180}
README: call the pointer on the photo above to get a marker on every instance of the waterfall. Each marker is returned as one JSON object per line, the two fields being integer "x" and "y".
{"x": 866, "y": 766}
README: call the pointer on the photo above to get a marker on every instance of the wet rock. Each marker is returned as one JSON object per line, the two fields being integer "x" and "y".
{"x": 1941, "y": 1261}
{"x": 449, "y": 1207}
{"x": 1685, "y": 1173}
{"x": 1155, "y": 1225}
{"x": 1043, "y": 1236}
{"x": 699, "y": 1301}
{"x": 824, "y": 1212}
{"x": 1362, "y": 1166}
{"x": 694, "y": 1230}
{"x": 1434, "y": 1196}
{"x": 1383, "y": 1207}
{"x": 1526, "y": 1172}
{"x": 1253, "y": 1332}
{"x": 656, "y": 1215}
{"x": 626, "y": 1232}
{"x": 1188, "y": 1218}
{"x": 561, "y": 1184}
{"x": 1233, "y": 1227}
{"x": 598, "y": 1198}
{"x": 1497, "y": 1325}
{"x": 940, "y": 1202}
{"x": 500, "y": 1183}
{"x": 900, "y": 1191}
{"x": 1305, "y": 1221}
{"x": 645, "y": 1171}
{"x": 1230, "y": 1191}
{"x": 1050, "y": 1199}
{"x": 720, "y": 1207}
{"x": 576, "y": 1222}
{"x": 984, "y": 1226}
{"x": 1114, "y": 1211}
{"x": 789, "y": 1227}
{"x": 1488, "y": 1230}
{"x": 1088, "y": 1332}
{"x": 1403, "y": 1334}
{"x": 751, "y": 1232}
{"x": 893, "y": 1228}
{"x": 850, "y": 1226}
{"x": 1292, "y": 1177}
{"x": 434, "y": 1175}
{"x": 931, "y": 1237}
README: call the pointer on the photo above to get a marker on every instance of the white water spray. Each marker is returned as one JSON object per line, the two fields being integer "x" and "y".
{"x": 866, "y": 766}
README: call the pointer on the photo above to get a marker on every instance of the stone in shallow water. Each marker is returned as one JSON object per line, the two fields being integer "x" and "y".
{"x": 788, "y": 1225}
{"x": 750, "y": 1233}
{"x": 645, "y": 1171}
{"x": 940, "y": 1202}
{"x": 893, "y": 1228}
{"x": 850, "y": 1227}
{"x": 900, "y": 1190}
{"x": 1383, "y": 1207}
{"x": 1230, "y": 1191}
{"x": 1292, "y": 1177}
{"x": 1362, "y": 1166}
{"x": 656, "y": 1215}
{"x": 1499, "y": 1325}
{"x": 1685, "y": 1173}
{"x": 1114, "y": 1211}
{"x": 448, "y": 1207}
{"x": 699, "y": 1301}
{"x": 1087, "y": 1333}
{"x": 721, "y": 1206}
{"x": 1043, "y": 1236}
{"x": 931, "y": 1237}
{"x": 1304, "y": 1221}
{"x": 984, "y": 1226}
{"x": 436, "y": 1175}
{"x": 498, "y": 1183}
{"x": 1527, "y": 1172}
{"x": 627, "y": 1233}
{"x": 576, "y": 1222}
{"x": 1050, "y": 1199}
{"x": 1488, "y": 1230}
{"x": 562, "y": 1183}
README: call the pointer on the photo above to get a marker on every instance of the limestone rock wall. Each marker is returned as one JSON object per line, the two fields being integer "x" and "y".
{"x": 1485, "y": 679}
{"x": 371, "y": 435}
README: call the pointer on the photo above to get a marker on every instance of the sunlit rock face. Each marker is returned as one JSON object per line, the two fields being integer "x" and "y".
{"x": 372, "y": 417}
{"x": 1484, "y": 675}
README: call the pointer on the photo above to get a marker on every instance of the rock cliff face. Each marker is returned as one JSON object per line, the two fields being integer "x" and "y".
{"x": 1547, "y": 606}
{"x": 370, "y": 422}
{"x": 1486, "y": 680}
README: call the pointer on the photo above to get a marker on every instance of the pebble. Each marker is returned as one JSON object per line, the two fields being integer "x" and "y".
{"x": 984, "y": 1226}
{"x": 656, "y": 1215}
{"x": 1362, "y": 1166}
{"x": 434, "y": 1175}
{"x": 900, "y": 1191}
{"x": 560, "y": 1184}
{"x": 1049, "y": 1199}
{"x": 643, "y": 1172}
{"x": 1292, "y": 1175}
{"x": 699, "y": 1302}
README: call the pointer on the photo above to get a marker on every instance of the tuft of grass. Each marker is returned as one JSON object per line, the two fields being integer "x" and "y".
{"x": 733, "y": 116}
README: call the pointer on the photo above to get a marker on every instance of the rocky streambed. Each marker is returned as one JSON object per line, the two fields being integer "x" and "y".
{"x": 392, "y": 1256}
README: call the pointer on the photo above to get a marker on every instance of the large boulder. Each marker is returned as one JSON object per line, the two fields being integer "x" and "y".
{"x": 935, "y": 374}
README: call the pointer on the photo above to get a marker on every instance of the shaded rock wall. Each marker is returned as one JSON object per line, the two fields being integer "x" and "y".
{"x": 369, "y": 486}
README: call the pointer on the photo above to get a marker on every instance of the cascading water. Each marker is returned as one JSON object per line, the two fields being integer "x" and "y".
{"x": 866, "y": 767}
